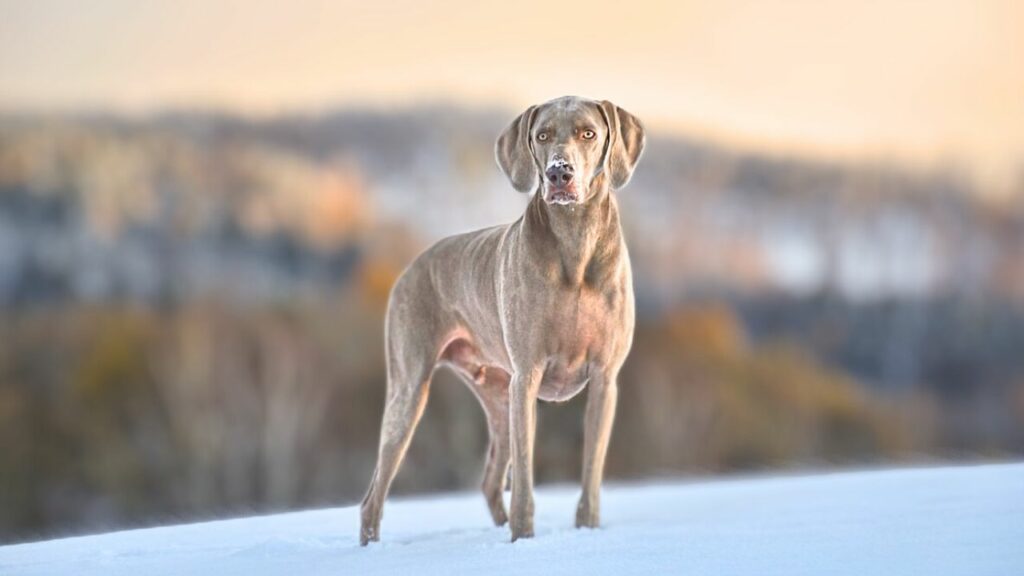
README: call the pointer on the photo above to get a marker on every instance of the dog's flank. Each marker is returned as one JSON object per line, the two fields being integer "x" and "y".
{"x": 537, "y": 309}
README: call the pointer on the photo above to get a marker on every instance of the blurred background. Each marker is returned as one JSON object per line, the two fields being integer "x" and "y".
{"x": 204, "y": 205}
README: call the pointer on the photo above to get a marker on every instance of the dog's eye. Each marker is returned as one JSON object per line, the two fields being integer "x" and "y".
{"x": 542, "y": 136}
{"x": 588, "y": 134}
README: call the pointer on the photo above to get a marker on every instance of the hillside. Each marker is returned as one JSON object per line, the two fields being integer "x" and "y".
{"x": 192, "y": 306}
{"x": 964, "y": 520}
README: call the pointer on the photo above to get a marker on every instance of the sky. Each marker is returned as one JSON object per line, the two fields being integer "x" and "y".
{"x": 934, "y": 82}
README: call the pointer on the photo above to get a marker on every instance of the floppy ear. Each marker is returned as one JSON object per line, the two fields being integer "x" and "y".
{"x": 624, "y": 146}
{"x": 514, "y": 153}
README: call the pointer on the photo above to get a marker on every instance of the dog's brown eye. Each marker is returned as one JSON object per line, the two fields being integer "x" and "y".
{"x": 542, "y": 136}
{"x": 588, "y": 134}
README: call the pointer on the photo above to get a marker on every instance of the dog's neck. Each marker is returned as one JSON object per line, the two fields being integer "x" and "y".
{"x": 582, "y": 242}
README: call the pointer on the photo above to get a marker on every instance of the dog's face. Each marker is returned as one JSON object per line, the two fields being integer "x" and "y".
{"x": 568, "y": 149}
{"x": 569, "y": 137}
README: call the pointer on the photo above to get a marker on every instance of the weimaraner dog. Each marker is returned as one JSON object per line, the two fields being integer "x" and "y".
{"x": 534, "y": 309}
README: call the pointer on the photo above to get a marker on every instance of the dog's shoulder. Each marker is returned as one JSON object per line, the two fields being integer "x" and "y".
{"x": 472, "y": 245}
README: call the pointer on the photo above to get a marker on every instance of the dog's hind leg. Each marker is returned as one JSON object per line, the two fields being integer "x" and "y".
{"x": 408, "y": 387}
{"x": 493, "y": 395}
{"x": 402, "y": 412}
{"x": 490, "y": 386}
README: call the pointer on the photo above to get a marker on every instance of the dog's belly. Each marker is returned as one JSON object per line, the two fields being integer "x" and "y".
{"x": 560, "y": 385}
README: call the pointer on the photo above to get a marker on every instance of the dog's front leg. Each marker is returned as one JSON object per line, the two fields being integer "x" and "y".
{"x": 523, "y": 425}
{"x": 597, "y": 431}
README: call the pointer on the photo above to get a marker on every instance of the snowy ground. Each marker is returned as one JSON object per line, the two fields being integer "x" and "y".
{"x": 963, "y": 520}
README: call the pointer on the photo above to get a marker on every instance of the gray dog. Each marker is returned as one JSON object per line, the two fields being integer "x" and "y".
{"x": 534, "y": 309}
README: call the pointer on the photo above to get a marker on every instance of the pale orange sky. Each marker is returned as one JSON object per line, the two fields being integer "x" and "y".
{"x": 925, "y": 81}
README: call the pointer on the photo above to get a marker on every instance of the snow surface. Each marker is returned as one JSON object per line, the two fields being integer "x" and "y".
{"x": 961, "y": 520}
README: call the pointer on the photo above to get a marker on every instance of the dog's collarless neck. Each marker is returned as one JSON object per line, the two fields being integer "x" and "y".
{"x": 585, "y": 239}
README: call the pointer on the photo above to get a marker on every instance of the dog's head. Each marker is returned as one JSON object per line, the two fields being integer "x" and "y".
{"x": 568, "y": 149}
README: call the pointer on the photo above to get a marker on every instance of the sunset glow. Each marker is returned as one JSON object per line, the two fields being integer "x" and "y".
{"x": 929, "y": 82}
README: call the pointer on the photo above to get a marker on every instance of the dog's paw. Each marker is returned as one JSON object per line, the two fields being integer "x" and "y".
{"x": 499, "y": 516}
{"x": 522, "y": 534}
{"x": 369, "y": 526}
{"x": 521, "y": 530}
{"x": 587, "y": 515}
{"x": 368, "y": 534}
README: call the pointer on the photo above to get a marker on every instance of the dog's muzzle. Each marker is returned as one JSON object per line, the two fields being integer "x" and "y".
{"x": 560, "y": 176}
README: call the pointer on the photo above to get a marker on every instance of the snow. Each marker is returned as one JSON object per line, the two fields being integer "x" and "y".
{"x": 935, "y": 521}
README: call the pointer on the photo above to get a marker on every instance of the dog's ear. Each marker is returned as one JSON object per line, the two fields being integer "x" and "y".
{"x": 514, "y": 152}
{"x": 624, "y": 145}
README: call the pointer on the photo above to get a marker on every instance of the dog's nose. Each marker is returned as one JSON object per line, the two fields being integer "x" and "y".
{"x": 560, "y": 174}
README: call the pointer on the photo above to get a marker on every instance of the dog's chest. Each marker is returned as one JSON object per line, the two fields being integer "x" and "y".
{"x": 584, "y": 318}
{"x": 586, "y": 330}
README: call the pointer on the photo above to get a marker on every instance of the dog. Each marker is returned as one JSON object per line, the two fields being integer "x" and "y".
{"x": 536, "y": 309}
